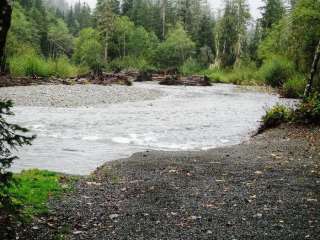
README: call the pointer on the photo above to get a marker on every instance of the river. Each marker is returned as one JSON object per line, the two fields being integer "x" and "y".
{"x": 76, "y": 140}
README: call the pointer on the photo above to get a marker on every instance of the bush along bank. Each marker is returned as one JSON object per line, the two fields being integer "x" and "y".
{"x": 307, "y": 112}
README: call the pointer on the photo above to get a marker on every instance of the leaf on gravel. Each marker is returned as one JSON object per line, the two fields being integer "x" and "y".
{"x": 312, "y": 200}
{"x": 258, "y": 215}
{"x": 113, "y": 216}
{"x": 93, "y": 184}
{"x": 220, "y": 180}
{"x": 258, "y": 173}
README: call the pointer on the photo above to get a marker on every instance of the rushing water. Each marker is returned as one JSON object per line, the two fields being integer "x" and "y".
{"x": 77, "y": 140}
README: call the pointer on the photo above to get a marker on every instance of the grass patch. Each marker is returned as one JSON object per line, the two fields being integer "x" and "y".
{"x": 34, "y": 65}
{"x": 244, "y": 75}
{"x": 28, "y": 65}
{"x": 33, "y": 188}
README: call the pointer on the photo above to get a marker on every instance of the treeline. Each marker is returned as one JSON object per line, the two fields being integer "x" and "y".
{"x": 276, "y": 49}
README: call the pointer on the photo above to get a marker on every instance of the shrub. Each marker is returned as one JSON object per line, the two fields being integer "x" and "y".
{"x": 275, "y": 116}
{"x": 308, "y": 110}
{"x": 28, "y": 65}
{"x": 88, "y": 50}
{"x": 190, "y": 67}
{"x": 294, "y": 87}
{"x": 61, "y": 67}
{"x": 244, "y": 75}
{"x": 276, "y": 71}
{"x": 215, "y": 75}
{"x": 131, "y": 63}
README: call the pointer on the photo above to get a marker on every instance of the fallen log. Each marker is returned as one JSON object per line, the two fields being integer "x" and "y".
{"x": 186, "y": 81}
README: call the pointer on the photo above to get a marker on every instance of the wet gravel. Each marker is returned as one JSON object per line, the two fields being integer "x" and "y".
{"x": 75, "y": 95}
{"x": 267, "y": 188}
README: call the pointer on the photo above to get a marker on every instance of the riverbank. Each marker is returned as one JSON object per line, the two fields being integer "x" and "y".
{"x": 266, "y": 188}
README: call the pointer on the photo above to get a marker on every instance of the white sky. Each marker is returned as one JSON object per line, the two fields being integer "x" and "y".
{"x": 216, "y": 4}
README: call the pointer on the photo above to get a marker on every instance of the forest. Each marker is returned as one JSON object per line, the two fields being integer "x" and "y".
{"x": 54, "y": 39}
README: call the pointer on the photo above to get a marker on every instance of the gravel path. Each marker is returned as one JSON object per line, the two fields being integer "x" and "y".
{"x": 75, "y": 95}
{"x": 267, "y": 188}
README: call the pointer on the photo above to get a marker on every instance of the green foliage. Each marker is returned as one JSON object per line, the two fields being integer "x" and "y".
{"x": 28, "y": 65}
{"x": 190, "y": 67}
{"x": 131, "y": 63}
{"x": 88, "y": 50}
{"x": 276, "y": 71}
{"x": 59, "y": 38}
{"x": 129, "y": 40}
{"x": 308, "y": 111}
{"x": 61, "y": 67}
{"x": 294, "y": 87}
{"x": 12, "y": 136}
{"x": 32, "y": 64}
{"x": 32, "y": 189}
{"x": 275, "y": 116}
{"x": 22, "y": 33}
{"x": 295, "y": 36}
{"x": 246, "y": 74}
{"x": 272, "y": 13}
{"x": 177, "y": 48}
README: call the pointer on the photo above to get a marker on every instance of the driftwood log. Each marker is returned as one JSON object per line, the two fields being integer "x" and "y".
{"x": 186, "y": 81}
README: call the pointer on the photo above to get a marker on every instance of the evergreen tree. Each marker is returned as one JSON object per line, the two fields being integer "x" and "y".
{"x": 11, "y": 137}
{"x": 271, "y": 13}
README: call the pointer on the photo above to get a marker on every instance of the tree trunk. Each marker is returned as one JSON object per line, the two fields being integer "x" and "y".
{"x": 106, "y": 47}
{"x": 164, "y": 6}
{"x": 313, "y": 71}
{"x": 5, "y": 22}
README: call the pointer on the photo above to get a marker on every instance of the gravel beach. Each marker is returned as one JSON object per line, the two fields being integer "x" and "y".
{"x": 75, "y": 95}
{"x": 267, "y": 188}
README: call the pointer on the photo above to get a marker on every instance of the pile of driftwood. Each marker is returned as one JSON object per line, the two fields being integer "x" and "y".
{"x": 9, "y": 81}
{"x": 101, "y": 79}
{"x": 166, "y": 78}
{"x": 106, "y": 79}
{"x": 186, "y": 81}
{"x": 122, "y": 78}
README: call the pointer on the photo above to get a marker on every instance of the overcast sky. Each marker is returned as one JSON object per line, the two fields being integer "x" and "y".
{"x": 216, "y": 4}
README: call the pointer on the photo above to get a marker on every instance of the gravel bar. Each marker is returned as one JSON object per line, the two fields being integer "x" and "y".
{"x": 76, "y": 95}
